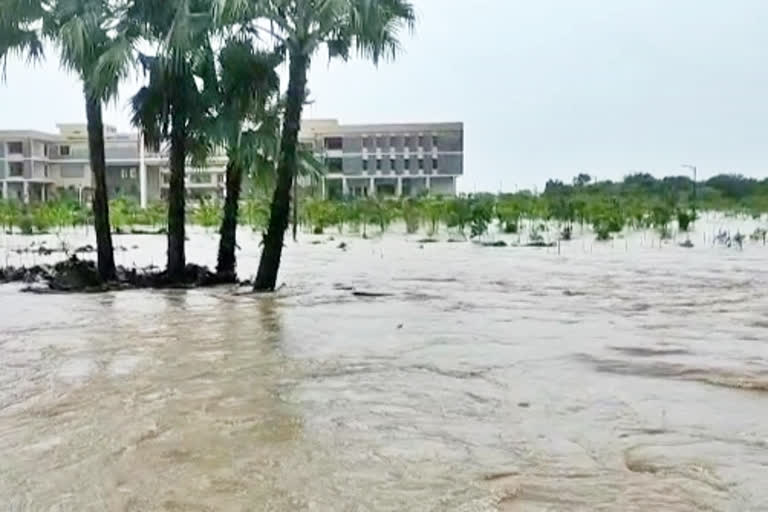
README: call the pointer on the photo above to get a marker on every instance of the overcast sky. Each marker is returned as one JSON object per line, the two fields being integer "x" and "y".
{"x": 546, "y": 88}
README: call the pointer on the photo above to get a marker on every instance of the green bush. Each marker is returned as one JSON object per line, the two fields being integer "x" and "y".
{"x": 684, "y": 219}
{"x": 26, "y": 224}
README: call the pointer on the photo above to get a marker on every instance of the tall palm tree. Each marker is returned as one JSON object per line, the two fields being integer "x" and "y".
{"x": 83, "y": 32}
{"x": 171, "y": 107}
{"x": 303, "y": 28}
{"x": 245, "y": 124}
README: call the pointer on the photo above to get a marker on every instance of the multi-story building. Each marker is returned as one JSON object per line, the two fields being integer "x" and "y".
{"x": 35, "y": 166}
{"x": 361, "y": 160}
{"x": 387, "y": 159}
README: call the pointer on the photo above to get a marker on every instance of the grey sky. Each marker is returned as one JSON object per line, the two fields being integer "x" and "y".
{"x": 546, "y": 88}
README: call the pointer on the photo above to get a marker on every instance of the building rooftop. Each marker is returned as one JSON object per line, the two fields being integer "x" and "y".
{"x": 331, "y": 126}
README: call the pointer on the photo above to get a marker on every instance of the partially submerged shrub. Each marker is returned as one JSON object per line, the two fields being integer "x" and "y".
{"x": 603, "y": 232}
{"x": 758, "y": 235}
{"x": 26, "y": 224}
{"x": 510, "y": 227}
{"x": 684, "y": 219}
{"x": 536, "y": 237}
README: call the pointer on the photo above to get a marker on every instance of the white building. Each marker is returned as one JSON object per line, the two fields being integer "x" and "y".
{"x": 361, "y": 160}
{"x": 389, "y": 159}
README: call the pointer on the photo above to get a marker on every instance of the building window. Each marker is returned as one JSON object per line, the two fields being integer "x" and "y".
{"x": 63, "y": 150}
{"x": 133, "y": 174}
{"x": 220, "y": 178}
{"x": 72, "y": 171}
{"x": 200, "y": 177}
{"x": 407, "y": 164}
{"x": 434, "y": 163}
{"x": 124, "y": 174}
{"x": 335, "y": 164}
{"x": 378, "y": 164}
{"x": 392, "y": 164}
{"x": 421, "y": 141}
{"x": 45, "y": 171}
{"x": 15, "y": 169}
{"x": 421, "y": 164}
{"x": 365, "y": 165}
{"x": 379, "y": 142}
{"x": 434, "y": 143}
{"x": 334, "y": 143}
{"x": 365, "y": 142}
{"x": 15, "y": 148}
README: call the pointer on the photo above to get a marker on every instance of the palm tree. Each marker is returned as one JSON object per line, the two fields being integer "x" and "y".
{"x": 245, "y": 124}
{"x": 370, "y": 26}
{"x": 82, "y": 30}
{"x": 171, "y": 107}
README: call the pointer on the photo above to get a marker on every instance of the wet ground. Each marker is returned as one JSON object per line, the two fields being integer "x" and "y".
{"x": 618, "y": 376}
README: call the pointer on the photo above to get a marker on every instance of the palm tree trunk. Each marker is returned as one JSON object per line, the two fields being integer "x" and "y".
{"x": 104, "y": 250}
{"x": 228, "y": 241}
{"x": 295, "y": 206}
{"x": 280, "y": 212}
{"x": 176, "y": 256}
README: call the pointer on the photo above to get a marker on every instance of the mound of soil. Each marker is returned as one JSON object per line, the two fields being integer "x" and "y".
{"x": 76, "y": 275}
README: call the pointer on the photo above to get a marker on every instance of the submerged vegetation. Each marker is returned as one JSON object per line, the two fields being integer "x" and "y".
{"x": 601, "y": 211}
{"x": 640, "y": 202}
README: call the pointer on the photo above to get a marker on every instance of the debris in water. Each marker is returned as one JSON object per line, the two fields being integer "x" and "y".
{"x": 738, "y": 239}
{"x": 342, "y": 246}
{"x": 372, "y": 294}
{"x": 86, "y": 249}
{"x": 687, "y": 244}
{"x": 540, "y": 244}
{"x": 497, "y": 243}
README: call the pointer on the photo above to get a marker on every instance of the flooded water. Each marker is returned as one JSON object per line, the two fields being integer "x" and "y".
{"x": 618, "y": 376}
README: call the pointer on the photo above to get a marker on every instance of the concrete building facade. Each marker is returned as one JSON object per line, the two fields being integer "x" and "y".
{"x": 387, "y": 159}
{"x": 361, "y": 160}
{"x": 36, "y": 165}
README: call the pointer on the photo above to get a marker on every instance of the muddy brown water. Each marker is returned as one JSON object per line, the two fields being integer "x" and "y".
{"x": 607, "y": 377}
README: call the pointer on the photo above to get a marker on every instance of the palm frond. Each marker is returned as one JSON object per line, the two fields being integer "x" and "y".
{"x": 20, "y": 33}
{"x": 113, "y": 66}
{"x": 376, "y": 26}
{"x": 19, "y": 42}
